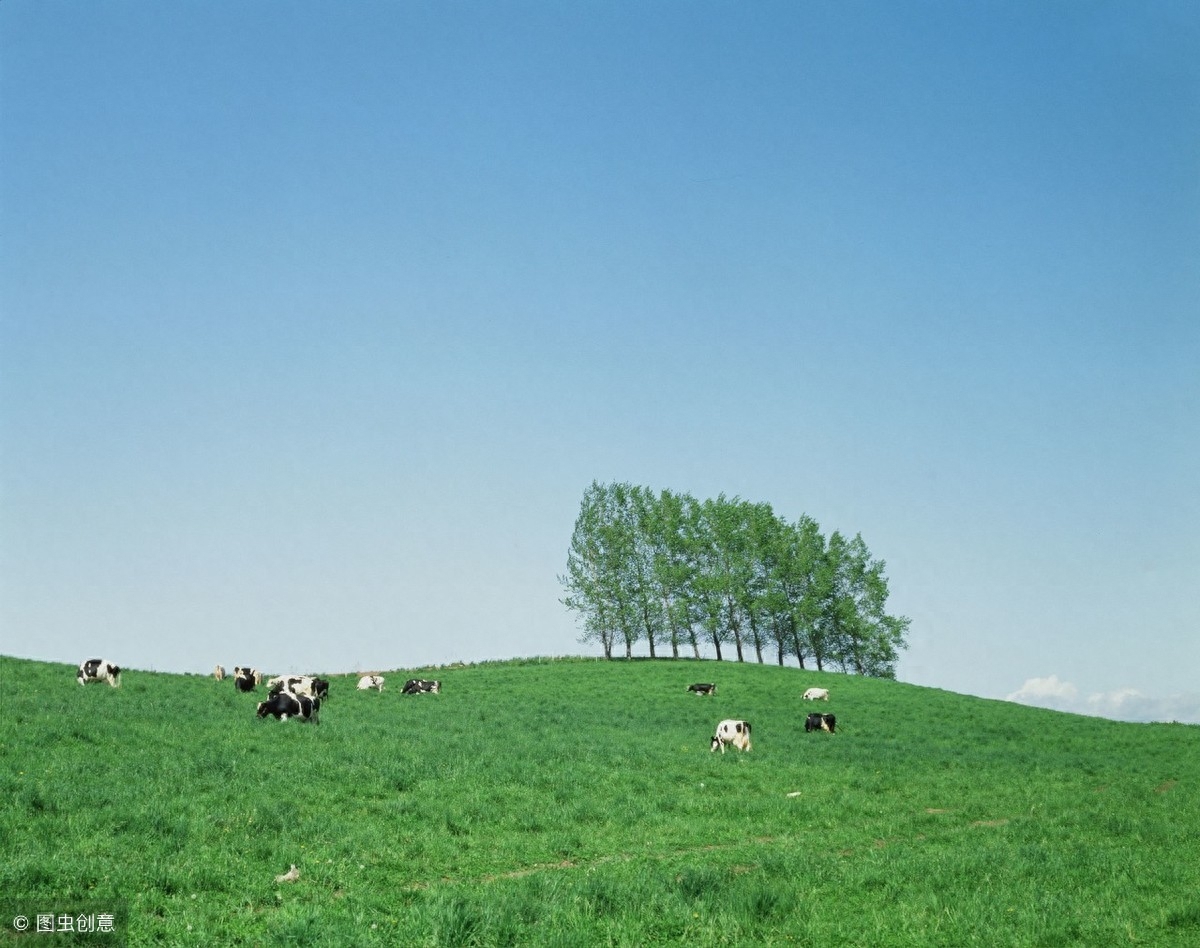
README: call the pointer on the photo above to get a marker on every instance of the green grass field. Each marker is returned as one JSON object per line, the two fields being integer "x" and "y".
{"x": 576, "y": 802}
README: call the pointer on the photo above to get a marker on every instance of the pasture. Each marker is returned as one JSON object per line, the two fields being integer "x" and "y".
{"x": 576, "y": 802}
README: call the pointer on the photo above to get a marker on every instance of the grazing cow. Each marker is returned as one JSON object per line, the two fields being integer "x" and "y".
{"x": 732, "y": 732}
{"x": 820, "y": 722}
{"x": 367, "y": 682}
{"x": 245, "y": 682}
{"x": 219, "y": 673}
{"x": 98, "y": 669}
{"x": 816, "y": 694}
{"x": 299, "y": 685}
{"x": 284, "y": 705}
{"x": 416, "y": 686}
{"x": 296, "y": 684}
{"x": 703, "y": 689}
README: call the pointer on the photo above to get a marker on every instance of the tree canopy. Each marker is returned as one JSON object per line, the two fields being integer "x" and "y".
{"x": 676, "y": 573}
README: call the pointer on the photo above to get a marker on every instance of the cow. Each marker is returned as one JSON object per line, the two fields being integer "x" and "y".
{"x": 820, "y": 722}
{"x": 416, "y": 686}
{"x": 245, "y": 671}
{"x": 219, "y": 673}
{"x": 98, "y": 669}
{"x": 299, "y": 685}
{"x": 732, "y": 732}
{"x": 284, "y": 705}
{"x": 245, "y": 682}
{"x": 367, "y": 682}
{"x": 816, "y": 694}
{"x": 703, "y": 689}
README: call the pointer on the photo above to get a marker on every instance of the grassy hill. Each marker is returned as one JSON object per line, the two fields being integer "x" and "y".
{"x": 576, "y": 802}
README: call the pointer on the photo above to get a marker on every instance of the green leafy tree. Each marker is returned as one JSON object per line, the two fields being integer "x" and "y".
{"x": 868, "y": 640}
{"x": 671, "y": 570}
{"x": 593, "y": 583}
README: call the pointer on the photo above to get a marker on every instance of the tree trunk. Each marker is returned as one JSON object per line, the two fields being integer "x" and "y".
{"x": 799, "y": 651}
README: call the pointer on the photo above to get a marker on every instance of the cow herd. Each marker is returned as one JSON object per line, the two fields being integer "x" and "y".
{"x": 736, "y": 733}
{"x": 300, "y": 697}
{"x": 288, "y": 696}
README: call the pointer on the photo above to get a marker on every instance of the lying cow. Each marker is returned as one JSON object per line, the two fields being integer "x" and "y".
{"x": 820, "y": 722}
{"x": 703, "y": 689}
{"x": 732, "y": 732}
{"x": 416, "y": 686}
{"x": 98, "y": 669}
{"x": 284, "y": 705}
{"x": 367, "y": 682}
{"x": 816, "y": 694}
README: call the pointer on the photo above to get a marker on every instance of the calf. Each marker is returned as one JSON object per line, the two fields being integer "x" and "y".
{"x": 820, "y": 722}
{"x": 284, "y": 705}
{"x": 415, "y": 686}
{"x": 367, "y": 682}
{"x": 98, "y": 669}
{"x": 816, "y": 694}
{"x": 732, "y": 732}
{"x": 703, "y": 689}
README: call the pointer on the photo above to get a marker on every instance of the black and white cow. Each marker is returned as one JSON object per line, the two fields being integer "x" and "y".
{"x": 245, "y": 671}
{"x": 820, "y": 722}
{"x": 245, "y": 682}
{"x": 416, "y": 686}
{"x": 296, "y": 684}
{"x": 367, "y": 682}
{"x": 98, "y": 669}
{"x": 702, "y": 688}
{"x": 284, "y": 705}
{"x": 299, "y": 685}
{"x": 734, "y": 732}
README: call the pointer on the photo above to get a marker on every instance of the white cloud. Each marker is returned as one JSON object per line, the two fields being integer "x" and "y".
{"x": 1046, "y": 693}
{"x": 1123, "y": 704}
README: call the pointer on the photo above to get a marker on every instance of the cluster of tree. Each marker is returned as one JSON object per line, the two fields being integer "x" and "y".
{"x": 675, "y": 572}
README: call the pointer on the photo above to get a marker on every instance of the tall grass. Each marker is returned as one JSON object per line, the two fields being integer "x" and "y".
{"x": 577, "y": 803}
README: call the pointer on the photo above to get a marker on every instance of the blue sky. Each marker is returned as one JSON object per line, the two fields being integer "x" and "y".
{"x": 317, "y": 319}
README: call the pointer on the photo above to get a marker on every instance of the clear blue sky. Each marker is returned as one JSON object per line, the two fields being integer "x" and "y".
{"x": 318, "y": 318}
